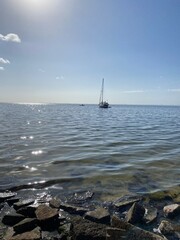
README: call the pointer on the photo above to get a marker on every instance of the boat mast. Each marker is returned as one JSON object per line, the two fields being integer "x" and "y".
{"x": 102, "y": 90}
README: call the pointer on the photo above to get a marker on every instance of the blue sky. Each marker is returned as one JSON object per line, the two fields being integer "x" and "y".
{"x": 59, "y": 51}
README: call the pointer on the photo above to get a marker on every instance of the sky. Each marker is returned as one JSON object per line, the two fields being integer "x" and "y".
{"x": 58, "y": 51}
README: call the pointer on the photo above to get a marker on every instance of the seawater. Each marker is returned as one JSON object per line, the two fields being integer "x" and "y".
{"x": 66, "y": 148}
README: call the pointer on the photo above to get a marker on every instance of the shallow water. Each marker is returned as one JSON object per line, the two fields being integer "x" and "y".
{"x": 65, "y": 148}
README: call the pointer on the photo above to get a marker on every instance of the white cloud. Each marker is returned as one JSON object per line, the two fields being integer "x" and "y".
{"x": 133, "y": 91}
{"x": 10, "y": 37}
{"x": 60, "y": 78}
{"x": 174, "y": 90}
{"x": 4, "y": 61}
{"x": 1, "y": 68}
{"x": 41, "y": 70}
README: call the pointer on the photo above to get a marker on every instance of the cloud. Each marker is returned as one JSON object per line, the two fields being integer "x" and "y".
{"x": 1, "y": 68}
{"x": 4, "y": 61}
{"x": 41, "y": 70}
{"x": 174, "y": 90}
{"x": 61, "y": 77}
{"x": 133, "y": 91}
{"x": 10, "y": 37}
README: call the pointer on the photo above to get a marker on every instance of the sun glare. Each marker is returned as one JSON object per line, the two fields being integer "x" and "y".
{"x": 37, "y": 5}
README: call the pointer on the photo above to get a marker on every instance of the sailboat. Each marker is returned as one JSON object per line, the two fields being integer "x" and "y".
{"x": 102, "y": 103}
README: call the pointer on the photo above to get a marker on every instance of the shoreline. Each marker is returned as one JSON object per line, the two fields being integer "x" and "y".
{"x": 149, "y": 216}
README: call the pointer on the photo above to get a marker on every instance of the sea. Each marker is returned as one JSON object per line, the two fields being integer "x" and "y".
{"x": 63, "y": 149}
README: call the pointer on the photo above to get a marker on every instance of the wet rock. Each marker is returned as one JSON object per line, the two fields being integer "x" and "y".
{"x": 12, "y": 219}
{"x": 28, "y": 211}
{"x": 35, "y": 234}
{"x": 73, "y": 209}
{"x": 82, "y": 196}
{"x": 6, "y": 195}
{"x": 131, "y": 232}
{"x": 150, "y": 215}
{"x": 135, "y": 213}
{"x": 99, "y": 215}
{"x": 25, "y": 225}
{"x": 55, "y": 203}
{"x": 170, "y": 230}
{"x": 65, "y": 230}
{"x": 126, "y": 201}
{"x": 23, "y": 203}
{"x": 115, "y": 233}
{"x": 47, "y": 217}
{"x": 11, "y": 201}
{"x": 84, "y": 229}
{"x": 43, "y": 212}
{"x": 172, "y": 210}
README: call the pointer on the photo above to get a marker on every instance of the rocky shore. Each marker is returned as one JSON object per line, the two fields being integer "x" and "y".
{"x": 153, "y": 216}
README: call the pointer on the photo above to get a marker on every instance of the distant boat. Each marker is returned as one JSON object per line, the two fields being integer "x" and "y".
{"x": 102, "y": 103}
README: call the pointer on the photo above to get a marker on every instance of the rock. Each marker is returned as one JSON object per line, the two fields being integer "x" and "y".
{"x": 150, "y": 215}
{"x": 43, "y": 213}
{"x": 6, "y": 195}
{"x": 115, "y": 233}
{"x": 11, "y": 201}
{"x": 35, "y": 234}
{"x": 131, "y": 232}
{"x": 65, "y": 230}
{"x": 135, "y": 213}
{"x": 23, "y": 203}
{"x": 28, "y": 211}
{"x": 73, "y": 209}
{"x": 166, "y": 227}
{"x": 47, "y": 217}
{"x": 169, "y": 229}
{"x": 84, "y": 229}
{"x": 55, "y": 203}
{"x": 172, "y": 210}
{"x": 82, "y": 196}
{"x": 12, "y": 219}
{"x": 99, "y": 215}
{"x": 25, "y": 225}
{"x": 126, "y": 201}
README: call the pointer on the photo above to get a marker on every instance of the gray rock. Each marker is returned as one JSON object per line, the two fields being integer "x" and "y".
{"x": 150, "y": 215}
{"x": 115, "y": 233}
{"x": 65, "y": 230}
{"x": 35, "y": 234}
{"x": 6, "y": 195}
{"x": 169, "y": 229}
{"x": 55, "y": 203}
{"x": 84, "y": 229}
{"x": 172, "y": 210}
{"x": 44, "y": 213}
{"x": 73, "y": 209}
{"x": 131, "y": 232}
{"x": 23, "y": 203}
{"x": 135, "y": 213}
{"x": 100, "y": 215}
{"x": 28, "y": 211}
{"x": 12, "y": 219}
{"x": 25, "y": 225}
{"x": 126, "y": 201}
